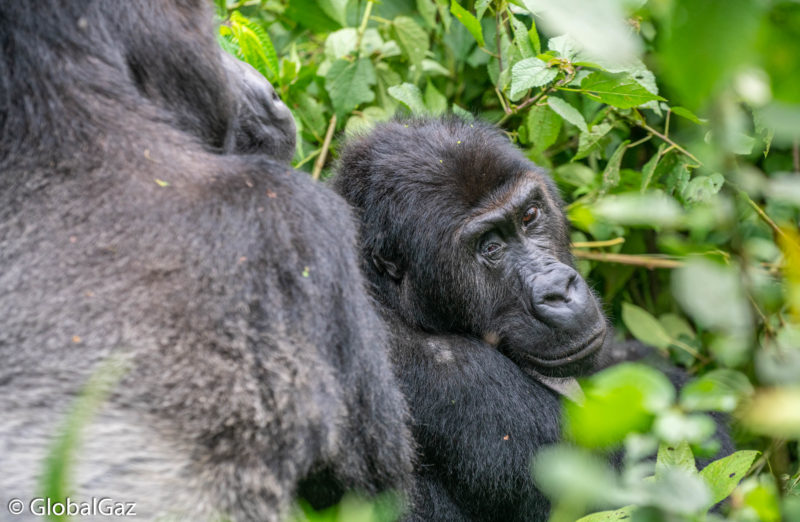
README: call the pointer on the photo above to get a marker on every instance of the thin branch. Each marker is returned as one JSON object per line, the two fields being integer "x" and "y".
{"x": 598, "y": 244}
{"x": 768, "y": 220}
{"x": 651, "y": 130}
{"x": 648, "y": 262}
{"x": 363, "y": 27}
{"x": 325, "y": 146}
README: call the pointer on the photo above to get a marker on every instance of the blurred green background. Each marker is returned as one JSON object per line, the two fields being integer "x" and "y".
{"x": 671, "y": 127}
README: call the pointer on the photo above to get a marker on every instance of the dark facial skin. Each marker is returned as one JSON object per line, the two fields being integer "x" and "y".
{"x": 545, "y": 315}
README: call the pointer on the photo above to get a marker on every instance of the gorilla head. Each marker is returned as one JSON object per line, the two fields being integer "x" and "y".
{"x": 462, "y": 234}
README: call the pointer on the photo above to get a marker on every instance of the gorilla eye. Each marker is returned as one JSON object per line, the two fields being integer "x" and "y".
{"x": 491, "y": 247}
{"x": 530, "y": 215}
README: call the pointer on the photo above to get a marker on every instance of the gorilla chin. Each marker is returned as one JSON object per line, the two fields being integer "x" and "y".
{"x": 573, "y": 361}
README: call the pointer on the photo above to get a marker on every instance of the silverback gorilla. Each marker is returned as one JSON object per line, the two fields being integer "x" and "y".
{"x": 147, "y": 216}
{"x": 466, "y": 245}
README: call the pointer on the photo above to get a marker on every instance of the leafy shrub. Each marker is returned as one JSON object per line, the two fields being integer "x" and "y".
{"x": 682, "y": 187}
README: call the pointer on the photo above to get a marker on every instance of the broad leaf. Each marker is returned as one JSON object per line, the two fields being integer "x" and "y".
{"x": 412, "y": 38}
{"x": 619, "y": 90}
{"x": 724, "y": 474}
{"x": 350, "y": 84}
{"x": 529, "y": 73}
{"x": 544, "y": 126}
{"x": 470, "y": 22}
{"x": 568, "y": 112}
{"x": 409, "y": 95}
{"x": 644, "y": 326}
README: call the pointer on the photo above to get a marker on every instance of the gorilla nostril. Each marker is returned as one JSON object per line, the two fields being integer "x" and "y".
{"x": 554, "y": 298}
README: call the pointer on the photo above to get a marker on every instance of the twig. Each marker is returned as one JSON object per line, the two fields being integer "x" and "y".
{"x": 363, "y": 27}
{"x": 768, "y": 220}
{"x": 648, "y": 262}
{"x": 651, "y": 130}
{"x": 598, "y": 244}
{"x": 325, "y": 146}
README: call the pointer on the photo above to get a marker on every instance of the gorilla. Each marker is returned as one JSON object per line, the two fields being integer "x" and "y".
{"x": 465, "y": 243}
{"x": 148, "y": 218}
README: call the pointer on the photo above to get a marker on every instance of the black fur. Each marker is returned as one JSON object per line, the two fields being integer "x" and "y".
{"x": 474, "y": 328}
{"x": 130, "y": 224}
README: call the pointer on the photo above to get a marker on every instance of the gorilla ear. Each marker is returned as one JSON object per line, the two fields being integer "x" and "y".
{"x": 384, "y": 266}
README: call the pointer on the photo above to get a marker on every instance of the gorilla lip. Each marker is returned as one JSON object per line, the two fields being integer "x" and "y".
{"x": 591, "y": 346}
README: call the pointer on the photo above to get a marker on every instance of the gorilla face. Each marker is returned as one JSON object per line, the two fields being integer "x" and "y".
{"x": 539, "y": 310}
{"x": 462, "y": 234}
{"x": 262, "y": 123}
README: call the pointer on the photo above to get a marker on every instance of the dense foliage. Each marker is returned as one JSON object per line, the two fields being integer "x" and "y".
{"x": 672, "y": 128}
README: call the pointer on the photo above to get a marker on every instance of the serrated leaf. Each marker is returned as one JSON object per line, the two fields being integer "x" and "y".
{"x": 675, "y": 456}
{"x": 529, "y": 73}
{"x": 723, "y": 475}
{"x": 589, "y": 141}
{"x": 568, "y": 112}
{"x": 411, "y": 38}
{"x": 427, "y": 10}
{"x": 521, "y": 39}
{"x": 470, "y": 22}
{"x": 618, "y": 90}
{"x": 409, "y": 95}
{"x": 349, "y": 84}
{"x": 611, "y": 172}
{"x": 544, "y": 125}
{"x": 644, "y": 326}
{"x": 255, "y": 45}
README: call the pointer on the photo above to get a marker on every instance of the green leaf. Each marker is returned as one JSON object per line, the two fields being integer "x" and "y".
{"x": 255, "y": 45}
{"x": 623, "y": 513}
{"x": 411, "y": 38}
{"x": 462, "y": 113}
{"x": 618, "y": 400}
{"x": 632, "y": 209}
{"x": 470, "y": 22}
{"x": 619, "y": 90}
{"x": 349, "y": 84}
{"x": 611, "y": 172}
{"x": 590, "y": 141}
{"x": 427, "y": 10}
{"x": 435, "y": 101}
{"x": 521, "y": 39}
{"x": 528, "y": 73}
{"x": 336, "y": 9}
{"x": 718, "y": 390}
{"x": 644, "y": 326}
{"x": 689, "y": 115}
{"x": 568, "y": 112}
{"x": 702, "y": 188}
{"x": 721, "y": 305}
{"x": 650, "y": 168}
{"x": 723, "y": 475}
{"x": 308, "y": 14}
{"x": 480, "y": 7}
{"x": 409, "y": 95}
{"x": 543, "y": 125}
{"x": 674, "y": 456}
{"x": 674, "y": 426}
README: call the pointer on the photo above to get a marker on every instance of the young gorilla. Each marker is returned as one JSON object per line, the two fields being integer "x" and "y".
{"x": 132, "y": 229}
{"x": 466, "y": 245}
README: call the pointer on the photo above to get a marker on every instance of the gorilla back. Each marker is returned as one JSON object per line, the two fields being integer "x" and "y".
{"x": 131, "y": 228}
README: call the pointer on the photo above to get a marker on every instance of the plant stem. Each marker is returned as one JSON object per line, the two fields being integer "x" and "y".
{"x": 651, "y": 130}
{"x": 363, "y": 27}
{"x": 648, "y": 262}
{"x": 598, "y": 244}
{"x": 325, "y": 146}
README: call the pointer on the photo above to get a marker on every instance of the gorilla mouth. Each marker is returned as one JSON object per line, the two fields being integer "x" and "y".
{"x": 586, "y": 349}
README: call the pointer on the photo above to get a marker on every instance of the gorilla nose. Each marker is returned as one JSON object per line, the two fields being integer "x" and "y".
{"x": 561, "y": 298}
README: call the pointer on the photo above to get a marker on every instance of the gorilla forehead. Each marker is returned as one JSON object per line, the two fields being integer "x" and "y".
{"x": 432, "y": 164}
